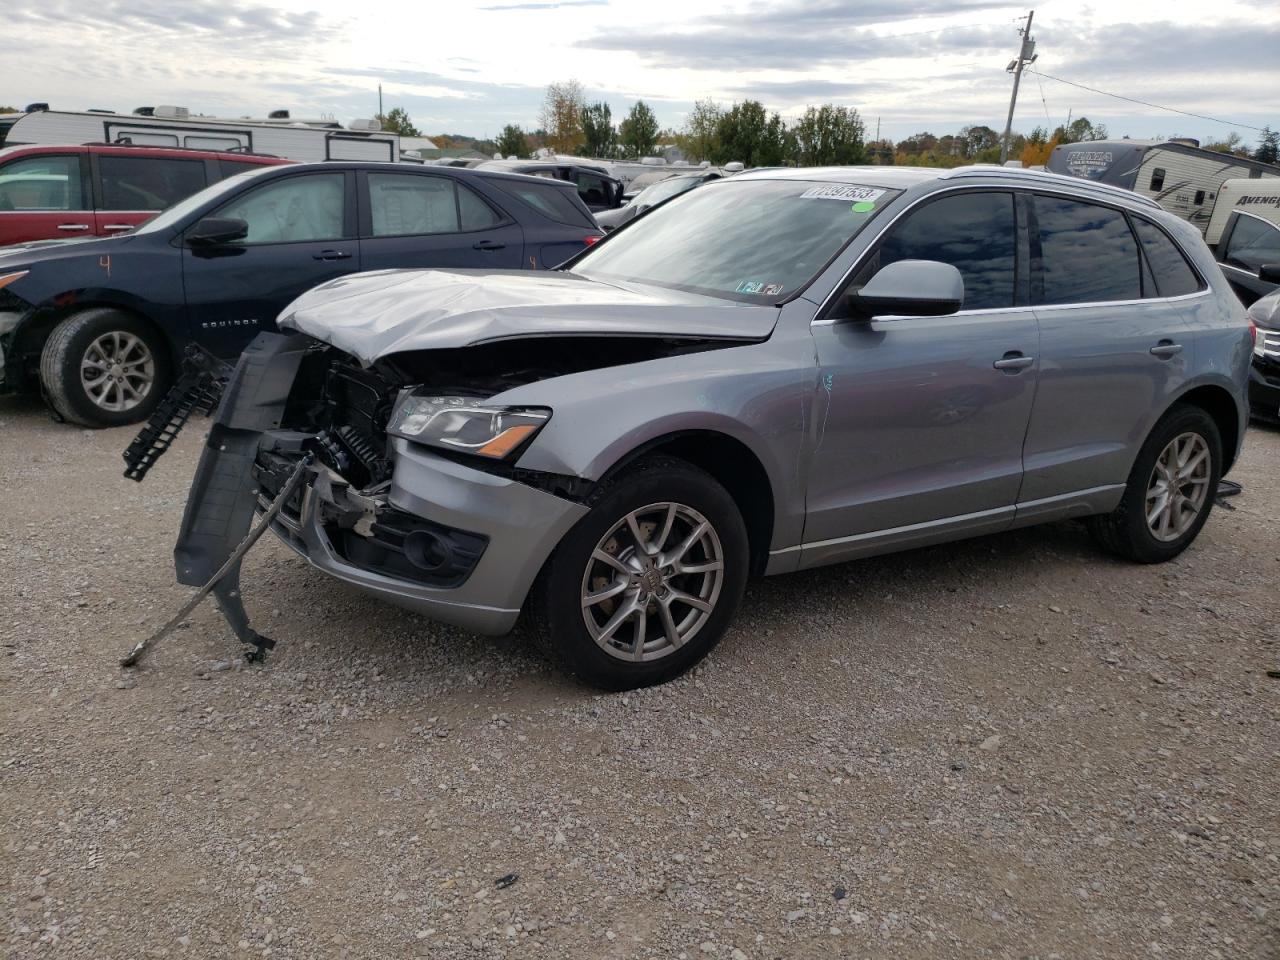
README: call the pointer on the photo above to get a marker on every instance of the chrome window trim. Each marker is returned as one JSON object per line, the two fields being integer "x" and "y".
{"x": 27, "y": 213}
{"x": 1010, "y": 188}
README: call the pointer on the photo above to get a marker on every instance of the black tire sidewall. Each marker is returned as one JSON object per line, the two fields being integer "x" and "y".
{"x": 65, "y": 349}
{"x": 1136, "y": 536}
{"x": 664, "y": 480}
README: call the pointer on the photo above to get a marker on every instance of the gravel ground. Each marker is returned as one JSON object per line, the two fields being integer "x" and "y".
{"x": 1011, "y": 747}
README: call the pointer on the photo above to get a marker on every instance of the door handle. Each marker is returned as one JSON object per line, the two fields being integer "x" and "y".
{"x": 487, "y": 245}
{"x": 1166, "y": 349}
{"x": 117, "y": 226}
{"x": 73, "y": 226}
{"x": 1013, "y": 361}
{"x": 331, "y": 255}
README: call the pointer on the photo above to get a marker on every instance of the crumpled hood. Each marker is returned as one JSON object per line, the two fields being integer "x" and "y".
{"x": 373, "y": 315}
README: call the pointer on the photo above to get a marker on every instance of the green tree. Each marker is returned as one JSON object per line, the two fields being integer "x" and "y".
{"x": 1268, "y": 146}
{"x": 512, "y": 142}
{"x": 561, "y": 116}
{"x": 639, "y": 132}
{"x": 1079, "y": 131}
{"x": 829, "y": 136}
{"x": 746, "y": 133}
{"x": 397, "y": 121}
{"x": 699, "y": 139}
{"x": 597, "y": 128}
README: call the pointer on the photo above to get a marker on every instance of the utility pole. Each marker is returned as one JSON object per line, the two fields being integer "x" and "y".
{"x": 380, "y": 113}
{"x": 1026, "y": 55}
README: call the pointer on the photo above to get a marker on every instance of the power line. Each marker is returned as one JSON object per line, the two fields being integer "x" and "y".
{"x": 1145, "y": 103}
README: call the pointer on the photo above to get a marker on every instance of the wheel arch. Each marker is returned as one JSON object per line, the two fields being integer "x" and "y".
{"x": 733, "y": 465}
{"x": 30, "y": 336}
{"x": 1221, "y": 405}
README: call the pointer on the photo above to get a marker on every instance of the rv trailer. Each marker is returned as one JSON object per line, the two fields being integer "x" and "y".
{"x": 175, "y": 127}
{"x": 1176, "y": 174}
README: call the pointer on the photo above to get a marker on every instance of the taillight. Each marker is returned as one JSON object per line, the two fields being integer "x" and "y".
{"x": 591, "y": 239}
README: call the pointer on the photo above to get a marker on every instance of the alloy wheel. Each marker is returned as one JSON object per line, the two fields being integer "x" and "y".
{"x": 1179, "y": 486}
{"x": 652, "y": 581}
{"x": 117, "y": 371}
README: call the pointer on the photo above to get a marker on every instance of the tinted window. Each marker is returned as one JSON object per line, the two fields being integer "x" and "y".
{"x": 549, "y": 200}
{"x": 294, "y": 209}
{"x": 593, "y": 189}
{"x": 42, "y": 183}
{"x": 1252, "y": 243}
{"x": 475, "y": 213}
{"x": 231, "y": 167}
{"x": 147, "y": 183}
{"x": 1087, "y": 254}
{"x": 1173, "y": 275}
{"x": 403, "y": 204}
{"x": 757, "y": 241}
{"x": 974, "y": 232}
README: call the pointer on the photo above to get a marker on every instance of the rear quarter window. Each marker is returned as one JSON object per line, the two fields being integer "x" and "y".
{"x": 555, "y": 202}
{"x": 1172, "y": 274}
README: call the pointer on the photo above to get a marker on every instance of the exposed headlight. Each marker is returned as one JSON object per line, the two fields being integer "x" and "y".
{"x": 466, "y": 424}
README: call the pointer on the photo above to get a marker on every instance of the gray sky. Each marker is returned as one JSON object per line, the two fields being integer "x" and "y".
{"x": 469, "y": 66}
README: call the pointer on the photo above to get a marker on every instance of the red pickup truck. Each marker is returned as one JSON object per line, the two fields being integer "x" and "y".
{"x": 90, "y": 190}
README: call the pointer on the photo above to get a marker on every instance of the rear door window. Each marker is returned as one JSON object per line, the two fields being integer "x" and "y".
{"x": 1086, "y": 254}
{"x": 147, "y": 183}
{"x": 407, "y": 205}
{"x": 974, "y": 232}
{"x": 49, "y": 183}
{"x": 1169, "y": 268}
{"x": 594, "y": 190}
{"x": 550, "y": 200}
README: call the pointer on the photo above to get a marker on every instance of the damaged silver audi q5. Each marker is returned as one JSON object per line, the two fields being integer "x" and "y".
{"x": 782, "y": 370}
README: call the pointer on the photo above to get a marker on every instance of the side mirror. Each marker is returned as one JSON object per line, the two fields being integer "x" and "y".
{"x": 1269, "y": 273}
{"x": 215, "y": 230}
{"x": 910, "y": 288}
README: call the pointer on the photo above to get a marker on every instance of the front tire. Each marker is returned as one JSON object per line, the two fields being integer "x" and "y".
{"x": 1170, "y": 490}
{"x": 646, "y": 583}
{"x": 104, "y": 368}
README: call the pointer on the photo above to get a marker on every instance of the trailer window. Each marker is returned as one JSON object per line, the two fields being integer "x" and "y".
{"x": 1157, "y": 178}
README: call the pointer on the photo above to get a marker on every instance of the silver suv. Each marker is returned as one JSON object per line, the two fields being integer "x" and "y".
{"x": 773, "y": 372}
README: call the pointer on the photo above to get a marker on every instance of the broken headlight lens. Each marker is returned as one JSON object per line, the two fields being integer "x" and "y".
{"x": 466, "y": 425}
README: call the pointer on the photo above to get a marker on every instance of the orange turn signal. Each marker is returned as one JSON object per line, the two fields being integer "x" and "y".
{"x": 507, "y": 441}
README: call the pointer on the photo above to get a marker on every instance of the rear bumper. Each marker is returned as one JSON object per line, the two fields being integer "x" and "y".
{"x": 522, "y": 526}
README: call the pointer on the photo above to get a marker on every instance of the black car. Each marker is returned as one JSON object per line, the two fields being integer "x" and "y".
{"x": 597, "y": 188}
{"x": 653, "y": 195}
{"x": 100, "y": 324}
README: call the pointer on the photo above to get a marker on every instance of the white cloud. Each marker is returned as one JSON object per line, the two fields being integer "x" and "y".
{"x": 469, "y": 67}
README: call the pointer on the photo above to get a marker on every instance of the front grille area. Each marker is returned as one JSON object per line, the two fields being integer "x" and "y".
{"x": 1269, "y": 344}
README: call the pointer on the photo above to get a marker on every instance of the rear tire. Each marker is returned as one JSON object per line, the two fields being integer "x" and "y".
{"x": 1170, "y": 490}
{"x": 104, "y": 368}
{"x": 671, "y": 593}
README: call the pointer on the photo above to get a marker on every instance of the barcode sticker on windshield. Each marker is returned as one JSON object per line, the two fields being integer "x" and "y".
{"x": 842, "y": 191}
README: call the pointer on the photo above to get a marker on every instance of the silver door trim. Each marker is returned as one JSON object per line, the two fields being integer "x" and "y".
{"x": 948, "y": 521}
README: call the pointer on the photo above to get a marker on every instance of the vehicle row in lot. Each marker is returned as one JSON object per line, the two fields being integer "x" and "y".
{"x": 100, "y": 323}
{"x": 768, "y": 373}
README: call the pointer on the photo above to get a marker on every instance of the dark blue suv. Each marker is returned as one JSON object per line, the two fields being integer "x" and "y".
{"x": 100, "y": 325}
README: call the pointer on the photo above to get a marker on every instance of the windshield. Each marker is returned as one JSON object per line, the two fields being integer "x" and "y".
{"x": 757, "y": 241}
{"x": 655, "y": 193}
{"x": 179, "y": 211}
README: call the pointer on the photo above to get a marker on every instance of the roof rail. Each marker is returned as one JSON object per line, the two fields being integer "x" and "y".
{"x": 1045, "y": 177}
